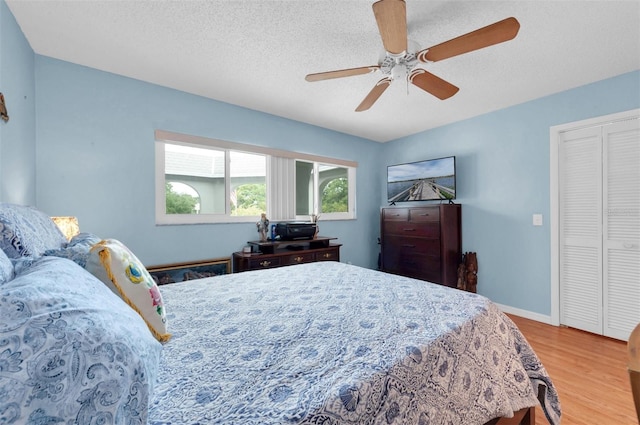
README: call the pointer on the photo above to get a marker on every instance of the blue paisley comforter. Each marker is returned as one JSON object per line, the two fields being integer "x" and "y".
{"x": 71, "y": 351}
{"x": 329, "y": 343}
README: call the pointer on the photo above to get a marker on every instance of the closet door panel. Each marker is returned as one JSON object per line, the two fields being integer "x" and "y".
{"x": 621, "y": 232}
{"x": 621, "y": 292}
{"x": 581, "y": 290}
{"x": 581, "y": 229}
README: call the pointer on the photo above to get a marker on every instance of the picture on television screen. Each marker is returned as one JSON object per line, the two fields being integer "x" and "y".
{"x": 433, "y": 179}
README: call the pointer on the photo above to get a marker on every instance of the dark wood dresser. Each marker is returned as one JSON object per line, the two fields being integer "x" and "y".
{"x": 422, "y": 242}
{"x": 271, "y": 254}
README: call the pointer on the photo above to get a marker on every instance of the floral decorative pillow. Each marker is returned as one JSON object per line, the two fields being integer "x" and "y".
{"x": 115, "y": 265}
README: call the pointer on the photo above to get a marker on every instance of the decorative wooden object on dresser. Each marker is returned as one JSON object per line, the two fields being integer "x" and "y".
{"x": 422, "y": 242}
{"x": 285, "y": 253}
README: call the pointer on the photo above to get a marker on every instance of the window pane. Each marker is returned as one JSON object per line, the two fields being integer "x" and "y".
{"x": 334, "y": 189}
{"x": 181, "y": 198}
{"x": 248, "y": 173}
{"x": 198, "y": 168}
{"x": 304, "y": 188}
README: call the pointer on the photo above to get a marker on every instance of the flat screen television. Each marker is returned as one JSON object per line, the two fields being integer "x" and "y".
{"x": 428, "y": 180}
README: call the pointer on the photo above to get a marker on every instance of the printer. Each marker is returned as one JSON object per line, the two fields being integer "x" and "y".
{"x": 295, "y": 230}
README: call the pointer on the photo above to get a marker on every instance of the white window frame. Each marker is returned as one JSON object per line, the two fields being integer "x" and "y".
{"x": 351, "y": 177}
{"x": 162, "y": 218}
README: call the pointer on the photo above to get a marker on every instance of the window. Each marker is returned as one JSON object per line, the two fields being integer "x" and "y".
{"x": 200, "y": 169}
{"x": 248, "y": 184}
{"x": 322, "y": 189}
{"x": 200, "y": 180}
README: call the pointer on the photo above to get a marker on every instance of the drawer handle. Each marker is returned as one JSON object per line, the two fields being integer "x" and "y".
{"x": 425, "y": 214}
{"x": 299, "y": 259}
{"x": 408, "y": 246}
{"x": 327, "y": 255}
{"x": 265, "y": 263}
{"x": 409, "y": 230}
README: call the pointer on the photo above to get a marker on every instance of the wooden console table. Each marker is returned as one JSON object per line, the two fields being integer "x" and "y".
{"x": 271, "y": 254}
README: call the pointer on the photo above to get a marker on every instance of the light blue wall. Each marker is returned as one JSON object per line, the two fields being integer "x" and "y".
{"x": 17, "y": 137}
{"x": 95, "y": 160}
{"x": 502, "y": 161}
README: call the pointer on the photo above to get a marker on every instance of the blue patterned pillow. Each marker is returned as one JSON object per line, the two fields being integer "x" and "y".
{"x": 6, "y": 268}
{"x": 71, "y": 351}
{"x": 84, "y": 239}
{"x": 26, "y": 231}
{"x": 77, "y": 249}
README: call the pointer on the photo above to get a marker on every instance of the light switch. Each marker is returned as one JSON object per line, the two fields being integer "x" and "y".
{"x": 537, "y": 219}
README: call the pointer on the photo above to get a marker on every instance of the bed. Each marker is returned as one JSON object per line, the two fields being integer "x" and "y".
{"x": 331, "y": 343}
{"x": 319, "y": 343}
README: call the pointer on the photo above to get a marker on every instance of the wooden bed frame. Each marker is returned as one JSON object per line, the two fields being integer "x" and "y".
{"x": 526, "y": 416}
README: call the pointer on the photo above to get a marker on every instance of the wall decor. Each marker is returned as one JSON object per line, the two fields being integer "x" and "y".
{"x": 3, "y": 109}
{"x": 180, "y": 272}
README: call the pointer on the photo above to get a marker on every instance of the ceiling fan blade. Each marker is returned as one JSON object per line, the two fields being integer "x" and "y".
{"x": 432, "y": 84}
{"x": 498, "y": 32}
{"x": 341, "y": 73}
{"x": 374, "y": 94}
{"x": 391, "y": 16}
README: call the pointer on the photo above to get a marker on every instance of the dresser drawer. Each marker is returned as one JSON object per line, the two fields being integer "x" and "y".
{"x": 413, "y": 265}
{"x": 405, "y": 246}
{"x": 407, "y": 228}
{"x": 328, "y": 255}
{"x": 395, "y": 214}
{"x": 421, "y": 266}
{"x": 306, "y": 257}
{"x": 265, "y": 262}
{"x": 422, "y": 215}
{"x": 398, "y": 253}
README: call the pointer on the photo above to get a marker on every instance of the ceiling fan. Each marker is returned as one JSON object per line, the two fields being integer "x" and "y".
{"x": 401, "y": 63}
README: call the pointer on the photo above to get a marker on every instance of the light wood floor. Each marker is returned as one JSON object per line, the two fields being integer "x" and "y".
{"x": 589, "y": 372}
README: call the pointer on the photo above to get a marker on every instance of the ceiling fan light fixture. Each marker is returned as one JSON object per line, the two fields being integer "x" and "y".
{"x": 392, "y": 65}
{"x": 399, "y": 72}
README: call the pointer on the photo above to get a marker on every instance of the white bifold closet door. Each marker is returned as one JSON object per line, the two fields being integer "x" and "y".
{"x": 599, "y": 191}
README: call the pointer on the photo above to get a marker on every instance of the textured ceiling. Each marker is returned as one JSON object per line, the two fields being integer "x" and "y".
{"x": 256, "y": 53}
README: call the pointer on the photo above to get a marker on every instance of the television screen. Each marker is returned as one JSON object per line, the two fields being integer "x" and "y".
{"x": 432, "y": 179}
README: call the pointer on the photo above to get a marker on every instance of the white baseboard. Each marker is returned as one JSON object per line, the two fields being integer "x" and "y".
{"x": 526, "y": 314}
